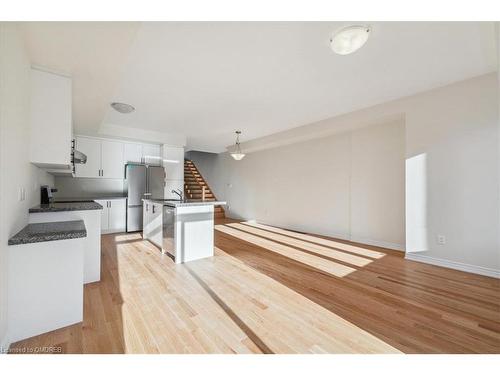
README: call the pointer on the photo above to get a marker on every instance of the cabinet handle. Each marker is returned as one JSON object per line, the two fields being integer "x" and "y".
{"x": 153, "y": 209}
{"x": 102, "y": 172}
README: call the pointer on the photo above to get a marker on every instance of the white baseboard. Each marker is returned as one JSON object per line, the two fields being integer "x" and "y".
{"x": 4, "y": 345}
{"x": 485, "y": 271}
{"x": 387, "y": 245}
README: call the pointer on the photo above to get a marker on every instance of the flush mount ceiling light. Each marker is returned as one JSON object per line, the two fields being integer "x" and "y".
{"x": 122, "y": 107}
{"x": 237, "y": 154}
{"x": 349, "y": 39}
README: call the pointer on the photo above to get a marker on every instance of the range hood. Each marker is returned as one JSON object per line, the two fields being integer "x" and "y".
{"x": 79, "y": 157}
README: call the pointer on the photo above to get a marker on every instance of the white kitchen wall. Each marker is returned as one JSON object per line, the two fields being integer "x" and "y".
{"x": 16, "y": 172}
{"x": 349, "y": 185}
{"x": 453, "y": 128}
{"x": 74, "y": 187}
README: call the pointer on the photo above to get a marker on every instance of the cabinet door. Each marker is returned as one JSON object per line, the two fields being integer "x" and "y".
{"x": 173, "y": 161}
{"x": 50, "y": 120}
{"x": 133, "y": 153}
{"x": 155, "y": 235}
{"x": 117, "y": 215}
{"x": 91, "y": 148}
{"x": 146, "y": 209}
{"x": 151, "y": 154}
{"x": 104, "y": 215}
{"x": 112, "y": 159}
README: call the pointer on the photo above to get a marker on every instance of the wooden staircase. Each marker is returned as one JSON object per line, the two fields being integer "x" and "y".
{"x": 195, "y": 187}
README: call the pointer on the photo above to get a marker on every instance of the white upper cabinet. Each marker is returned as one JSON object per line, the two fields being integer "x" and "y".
{"x": 92, "y": 148}
{"x": 112, "y": 159}
{"x": 50, "y": 120}
{"x": 104, "y": 158}
{"x": 142, "y": 153}
{"x": 173, "y": 161}
{"x": 133, "y": 153}
{"x": 151, "y": 154}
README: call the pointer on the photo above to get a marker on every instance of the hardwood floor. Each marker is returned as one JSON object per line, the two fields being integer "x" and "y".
{"x": 273, "y": 291}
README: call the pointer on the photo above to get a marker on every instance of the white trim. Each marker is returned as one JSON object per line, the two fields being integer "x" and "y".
{"x": 387, "y": 245}
{"x": 491, "y": 272}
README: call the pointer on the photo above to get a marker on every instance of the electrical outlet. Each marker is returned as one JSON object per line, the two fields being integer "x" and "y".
{"x": 441, "y": 239}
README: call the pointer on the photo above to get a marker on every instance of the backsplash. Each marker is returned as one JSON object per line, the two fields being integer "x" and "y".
{"x": 68, "y": 187}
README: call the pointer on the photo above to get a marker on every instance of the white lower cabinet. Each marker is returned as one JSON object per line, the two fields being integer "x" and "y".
{"x": 113, "y": 215}
{"x": 152, "y": 222}
{"x": 156, "y": 225}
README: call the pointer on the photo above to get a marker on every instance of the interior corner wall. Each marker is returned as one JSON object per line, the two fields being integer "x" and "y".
{"x": 349, "y": 185}
{"x": 16, "y": 172}
{"x": 455, "y": 128}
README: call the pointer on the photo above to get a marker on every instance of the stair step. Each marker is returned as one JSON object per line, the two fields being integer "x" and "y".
{"x": 194, "y": 184}
{"x": 198, "y": 188}
{"x": 198, "y": 193}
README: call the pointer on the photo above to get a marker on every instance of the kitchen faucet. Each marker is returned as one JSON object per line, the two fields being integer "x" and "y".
{"x": 179, "y": 193}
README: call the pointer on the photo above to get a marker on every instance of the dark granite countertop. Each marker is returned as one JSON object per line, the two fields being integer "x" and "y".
{"x": 43, "y": 232}
{"x": 66, "y": 206}
{"x": 186, "y": 202}
{"x": 89, "y": 199}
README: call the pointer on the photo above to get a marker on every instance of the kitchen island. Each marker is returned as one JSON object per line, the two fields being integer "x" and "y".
{"x": 184, "y": 230}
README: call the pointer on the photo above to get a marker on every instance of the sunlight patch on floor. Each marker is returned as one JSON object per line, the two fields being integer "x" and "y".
{"x": 303, "y": 326}
{"x": 330, "y": 267}
{"x": 127, "y": 237}
{"x": 321, "y": 241}
{"x": 355, "y": 260}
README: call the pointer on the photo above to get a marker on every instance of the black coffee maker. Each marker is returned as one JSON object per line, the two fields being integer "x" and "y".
{"x": 46, "y": 194}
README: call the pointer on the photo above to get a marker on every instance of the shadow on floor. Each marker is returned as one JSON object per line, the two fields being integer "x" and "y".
{"x": 413, "y": 307}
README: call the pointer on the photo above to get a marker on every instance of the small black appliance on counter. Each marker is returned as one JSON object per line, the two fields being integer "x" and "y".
{"x": 46, "y": 194}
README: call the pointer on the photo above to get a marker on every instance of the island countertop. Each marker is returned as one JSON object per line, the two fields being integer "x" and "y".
{"x": 185, "y": 202}
{"x": 66, "y": 206}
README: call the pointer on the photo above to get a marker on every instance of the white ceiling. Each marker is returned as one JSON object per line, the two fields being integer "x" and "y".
{"x": 204, "y": 80}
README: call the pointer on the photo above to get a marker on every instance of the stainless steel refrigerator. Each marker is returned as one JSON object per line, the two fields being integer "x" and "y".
{"x": 141, "y": 181}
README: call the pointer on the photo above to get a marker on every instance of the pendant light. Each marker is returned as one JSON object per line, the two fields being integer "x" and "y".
{"x": 237, "y": 154}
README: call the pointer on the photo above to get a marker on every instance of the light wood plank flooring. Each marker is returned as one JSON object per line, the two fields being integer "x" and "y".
{"x": 268, "y": 290}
